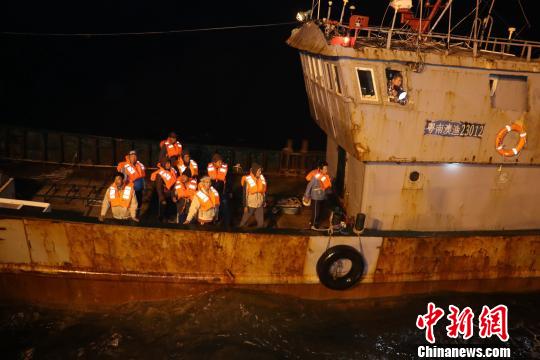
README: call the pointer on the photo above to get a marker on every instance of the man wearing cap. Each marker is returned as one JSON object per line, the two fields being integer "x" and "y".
{"x": 134, "y": 172}
{"x": 205, "y": 203}
{"x": 254, "y": 195}
{"x": 170, "y": 148}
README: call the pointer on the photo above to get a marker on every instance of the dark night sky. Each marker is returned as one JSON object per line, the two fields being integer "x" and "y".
{"x": 212, "y": 87}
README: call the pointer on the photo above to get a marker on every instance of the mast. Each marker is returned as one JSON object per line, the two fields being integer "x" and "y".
{"x": 420, "y": 23}
{"x": 475, "y": 30}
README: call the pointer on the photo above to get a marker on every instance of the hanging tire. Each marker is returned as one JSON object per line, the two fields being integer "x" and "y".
{"x": 340, "y": 267}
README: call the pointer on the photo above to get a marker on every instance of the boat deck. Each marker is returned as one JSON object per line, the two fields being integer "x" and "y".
{"x": 76, "y": 192}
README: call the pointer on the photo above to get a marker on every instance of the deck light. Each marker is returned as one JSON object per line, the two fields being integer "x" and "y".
{"x": 402, "y": 96}
{"x": 453, "y": 166}
{"x": 303, "y": 16}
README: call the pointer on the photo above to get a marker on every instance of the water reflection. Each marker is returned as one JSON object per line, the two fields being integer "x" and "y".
{"x": 243, "y": 324}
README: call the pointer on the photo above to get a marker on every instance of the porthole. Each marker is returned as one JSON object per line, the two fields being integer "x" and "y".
{"x": 414, "y": 176}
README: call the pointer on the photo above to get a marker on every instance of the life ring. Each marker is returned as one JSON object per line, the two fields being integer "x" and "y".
{"x": 502, "y": 134}
{"x": 330, "y": 261}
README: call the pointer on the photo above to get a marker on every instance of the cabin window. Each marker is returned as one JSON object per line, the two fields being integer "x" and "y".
{"x": 366, "y": 81}
{"x": 396, "y": 90}
{"x": 318, "y": 71}
{"x": 311, "y": 68}
{"x": 304, "y": 67}
{"x": 328, "y": 72}
{"x": 337, "y": 82}
{"x": 508, "y": 92}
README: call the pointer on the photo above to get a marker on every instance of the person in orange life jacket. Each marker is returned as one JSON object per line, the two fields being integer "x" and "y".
{"x": 188, "y": 166}
{"x": 171, "y": 149}
{"x": 317, "y": 191}
{"x": 185, "y": 190}
{"x": 205, "y": 203}
{"x": 165, "y": 179}
{"x": 120, "y": 197}
{"x": 218, "y": 171}
{"x": 254, "y": 195}
{"x": 135, "y": 172}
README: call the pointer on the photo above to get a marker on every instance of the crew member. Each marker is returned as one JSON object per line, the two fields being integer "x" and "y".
{"x": 395, "y": 89}
{"x": 134, "y": 172}
{"x": 205, "y": 203}
{"x": 254, "y": 195}
{"x": 120, "y": 198}
{"x": 317, "y": 191}
{"x": 217, "y": 171}
{"x": 188, "y": 166}
{"x": 165, "y": 179}
{"x": 185, "y": 190}
{"x": 170, "y": 148}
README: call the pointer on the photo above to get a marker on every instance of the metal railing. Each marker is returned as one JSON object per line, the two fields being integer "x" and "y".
{"x": 21, "y": 143}
{"x": 522, "y": 49}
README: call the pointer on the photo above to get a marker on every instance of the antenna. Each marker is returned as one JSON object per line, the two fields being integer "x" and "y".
{"x": 475, "y": 29}
{"x": 420, "y": 23}
{"x": 448, "y": 4}
{"x": 487, "y": 22}
{"x": 352, "y": 8}
{"x": 329, "y": 10}
{"x": 343, "y": 10}
{"x": 449, "y": 26}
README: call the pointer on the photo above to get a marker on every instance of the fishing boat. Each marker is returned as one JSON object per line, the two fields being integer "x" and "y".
{"x": 432, "y": 141}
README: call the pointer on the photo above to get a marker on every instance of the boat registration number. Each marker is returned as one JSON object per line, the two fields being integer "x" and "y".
{"x": 451, "y": 128}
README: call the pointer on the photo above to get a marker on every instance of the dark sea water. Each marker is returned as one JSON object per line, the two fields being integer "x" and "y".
{"x": 233, "y": 324}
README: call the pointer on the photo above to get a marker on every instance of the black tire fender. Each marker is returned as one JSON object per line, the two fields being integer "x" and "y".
{"x": 330, "y": 257}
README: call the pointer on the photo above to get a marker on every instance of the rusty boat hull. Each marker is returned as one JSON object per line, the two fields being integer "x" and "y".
{"x": 91, "y": 265}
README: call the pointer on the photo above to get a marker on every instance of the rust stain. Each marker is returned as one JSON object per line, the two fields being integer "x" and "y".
{"x": 453, "y": 258}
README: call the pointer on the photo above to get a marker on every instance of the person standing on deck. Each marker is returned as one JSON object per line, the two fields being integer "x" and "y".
{"x": 317, "y": 191}
{"x": 134, "y": 172}
{"x": 254, "y": 196}
{"x": 120, "y": 198}
{"x": 188, "y": 166}
{"x": 205, "y": 204}
{"x": 217, "y": 171}
{"x": 165, "y": 179}
{"x": 171, "y": 149}
{"x": 185, "y": 190}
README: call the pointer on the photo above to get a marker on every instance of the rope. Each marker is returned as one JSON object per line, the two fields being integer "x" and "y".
{"x": 144, "y": 33}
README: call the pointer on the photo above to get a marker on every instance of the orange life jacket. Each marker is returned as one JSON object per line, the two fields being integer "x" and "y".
{"x": 324, "y": 180}
{"x": 173, "y": 149}
{"x": 311, "y": 174}
{"x": 186, "y": 190}
{"x": 193, "y": 167}
{"x": 121, "y": 197}
{"x": 168, "y": 176}
{"x": 254, "y": 185}
{"x": 217, "y": 174}
{"x": 133, "y": 172}
{"x": 208, "y": 201}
